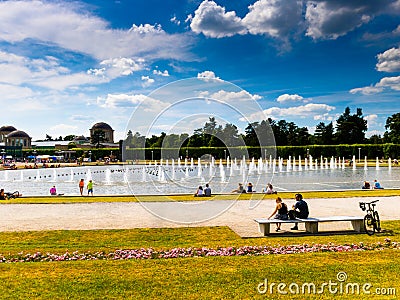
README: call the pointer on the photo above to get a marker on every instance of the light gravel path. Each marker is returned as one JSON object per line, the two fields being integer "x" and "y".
{"x": 238, "y": 215}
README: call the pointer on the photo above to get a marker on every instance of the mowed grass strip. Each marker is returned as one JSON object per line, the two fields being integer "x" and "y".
{"x": 200, "y": 278}
{"x": 190, "y": 197}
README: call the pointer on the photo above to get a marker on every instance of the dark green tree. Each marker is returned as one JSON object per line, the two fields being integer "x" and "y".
{"x": 155, "y": 141}
{"x": 324, "y": 134}
{"x": 69, "y": 137}
{"x": 230, "y": 135}
{"x": 375, "y": 139}
{"x": 250, "y": 137}
{"x": 350, "y": 129}
{"x": 392, "y": 133}
{"x": 98, "y": 138}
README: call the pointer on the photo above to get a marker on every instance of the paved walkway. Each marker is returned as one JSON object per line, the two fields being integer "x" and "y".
{"x": 238, "y": 215}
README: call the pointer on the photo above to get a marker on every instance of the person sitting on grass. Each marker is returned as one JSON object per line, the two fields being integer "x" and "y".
{"x": 250, "y": 188}
{"x": 366, "y": 186}
{"x": 207, "y": 191}
{"x": 280, "y": 212}
{"x": 199, "y": 192}
{"x": 270, "y": 189}
{"x": 377, "y": 185}
{"x": 2, "y": 195}
{"x": 14, "y": 195}
{"x": 53, "y": 190}
{"x": 240, "y": 189}
{"x": 299, "y": 210}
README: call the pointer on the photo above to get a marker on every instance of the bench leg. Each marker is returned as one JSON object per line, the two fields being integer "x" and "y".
{"x": 264, "y": 228}
{"x": 358, "y": 225}
{"x": 312, "y": 227}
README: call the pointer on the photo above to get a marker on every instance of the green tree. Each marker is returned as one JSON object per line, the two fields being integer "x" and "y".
{"x": 69, "y": 137}
{"x": 375, "y": 139}
{"x": 350, "y": 129}
{"x": 195, "y": 140}
{"x": 230, "y": 135}
{"x": 324, "y": 134}
{"x": 98, "y": 138}
{"x": 392, "y": 133}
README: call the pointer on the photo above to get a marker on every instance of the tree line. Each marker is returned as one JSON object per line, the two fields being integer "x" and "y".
{"x": 349, "y": 129}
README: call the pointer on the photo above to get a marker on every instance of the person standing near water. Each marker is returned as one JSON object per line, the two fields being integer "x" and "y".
{"x": 81, "y": 186}
{"x": 90, "y": 187}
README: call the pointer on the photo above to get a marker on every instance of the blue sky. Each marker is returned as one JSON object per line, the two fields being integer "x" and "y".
{"x": 65, "y": 65}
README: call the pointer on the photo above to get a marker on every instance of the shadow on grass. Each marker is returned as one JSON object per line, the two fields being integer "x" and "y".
{"x": 301, "y": 233}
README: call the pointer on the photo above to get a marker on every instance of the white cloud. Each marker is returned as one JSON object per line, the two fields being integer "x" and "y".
{"x": 390, "y": 82}
{"x": 147, "y": 81}
{"x": 16, "y": 69}
{"x": 207, "y": 75}
{"x": 62, "y": 82}
{"x": 11, "y": 92}
{"x": 371, "y": 119}
{"x": 131, "y": 101}
{"x": 158, "y": 72}
{"x": 370, "y": 133}
{"x": 234, "y": 97}
{"x": 311, "y": 109}
{"x": 368, "y": 90}
{"x": 64, "y": 129}
{"x": 213, "y": 21}
{"x": 330, "y": 19}
{"x": 48, "y": 73}
{"x": 122, "y": 66}
{"x": 175, "y": 20}
{"x": 69, "y": 26}
{"x": 389, "y": 61}
{"x": 120, "y": 100}
{"x": 320, "y": 19}
{"x": 287, "y": 97}
{"x": 273, "y": 18}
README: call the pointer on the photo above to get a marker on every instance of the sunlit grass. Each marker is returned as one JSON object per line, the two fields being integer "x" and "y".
{"x": 190, "y": 197}
{"x": 186, "y": 278}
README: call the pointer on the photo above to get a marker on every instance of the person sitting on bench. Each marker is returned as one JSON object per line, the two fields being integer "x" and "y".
{"x": 300, "y": 210}
{"x": 280, "y": 212}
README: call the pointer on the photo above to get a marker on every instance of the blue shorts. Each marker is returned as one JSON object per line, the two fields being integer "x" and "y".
{"x": 90, "y": 190}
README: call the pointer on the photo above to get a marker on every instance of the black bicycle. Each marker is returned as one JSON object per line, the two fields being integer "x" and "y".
{"x": 372, "y": 223}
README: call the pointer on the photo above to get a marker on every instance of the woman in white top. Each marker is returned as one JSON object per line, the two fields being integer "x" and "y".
{"x": 199, "y": 192}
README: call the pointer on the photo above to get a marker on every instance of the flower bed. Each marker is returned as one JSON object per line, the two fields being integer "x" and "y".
{"x": 149, "y": 253}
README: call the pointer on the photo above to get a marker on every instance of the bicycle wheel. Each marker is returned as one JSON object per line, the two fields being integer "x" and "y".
{"x": 377, "y": 221}
{"x": 369, "y": 226}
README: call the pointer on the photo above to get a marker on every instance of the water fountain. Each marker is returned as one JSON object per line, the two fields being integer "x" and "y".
{"x": 162, "y": 176}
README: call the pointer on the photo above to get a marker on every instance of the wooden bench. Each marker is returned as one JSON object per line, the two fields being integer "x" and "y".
{"x": 311, "y": 224}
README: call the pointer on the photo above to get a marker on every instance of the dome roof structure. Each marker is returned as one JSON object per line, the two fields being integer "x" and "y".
{"x": 18, "y": 134}
{"x": 7, "y": 128}
{"x": 101, "y": 125}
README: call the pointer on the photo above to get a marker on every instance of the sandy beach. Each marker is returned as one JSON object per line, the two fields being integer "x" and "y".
{"x": 238, "y": 215}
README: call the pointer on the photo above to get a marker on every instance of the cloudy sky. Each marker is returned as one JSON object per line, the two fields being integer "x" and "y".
{"x": 65, "y": 65}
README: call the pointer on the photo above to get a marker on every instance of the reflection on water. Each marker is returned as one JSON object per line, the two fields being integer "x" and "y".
{"x": 135, "y": 179}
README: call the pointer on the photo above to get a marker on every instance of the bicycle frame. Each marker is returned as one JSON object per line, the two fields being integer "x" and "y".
{"x": 371, "y": 219}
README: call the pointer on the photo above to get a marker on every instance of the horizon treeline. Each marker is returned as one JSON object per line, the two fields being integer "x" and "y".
{"x": 349, "y": 129}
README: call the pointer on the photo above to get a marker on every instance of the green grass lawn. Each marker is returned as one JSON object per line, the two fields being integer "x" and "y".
{"x": 188, "y": 278}
{"x": 190, "y": 197}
